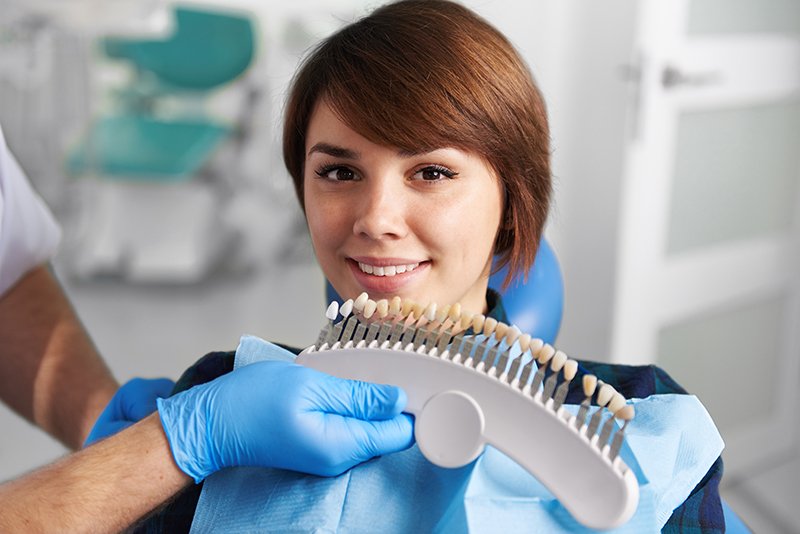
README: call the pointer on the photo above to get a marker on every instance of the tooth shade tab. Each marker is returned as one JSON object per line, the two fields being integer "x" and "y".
{"x": 617, "y": 402}
{"x": 500, "y": 331}
{"x": 570, "y": 369}
{"x": 589, "y": 385}
{"x": 559, "y": 359}
{"x": 332, "y": 311}
{"x": 605, "y": 394}
{"x": 477, "y": 323}
{"x": 359, "y": 303}
{"x": 524, "y": 342}
{"x": 395, "y": 305}
{"x": 430, "y": 311}
{"x": 369, "y": 308}
{"x": 512, "y": 335}
{"x": 382, "y": 306}
{"x": 545, "y": 353}
{"x": 625, "y": 413}
{"x": 418, "y": 310}
{"x": 455, "y": 312}
{"x": 408, "y": 306}
{"x": 441, "y": 315}
{"x": 489, "y": 324}
{"x": 347, "y": 308}
{"x": 536, "y": 345}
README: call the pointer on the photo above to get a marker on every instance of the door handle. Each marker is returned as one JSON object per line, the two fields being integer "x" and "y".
{"x": 672, "y": 77}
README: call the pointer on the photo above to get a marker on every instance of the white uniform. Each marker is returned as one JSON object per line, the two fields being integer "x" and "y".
{"x": 29, "y": 234}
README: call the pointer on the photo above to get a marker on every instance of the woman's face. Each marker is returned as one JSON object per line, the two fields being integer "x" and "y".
{"x": 421, "y": 226}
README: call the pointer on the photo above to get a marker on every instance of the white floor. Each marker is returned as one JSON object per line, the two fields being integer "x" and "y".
{"x": 159, "y": 331}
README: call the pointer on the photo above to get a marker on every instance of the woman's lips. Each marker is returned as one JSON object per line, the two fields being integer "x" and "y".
{"x": 386, "y": 278}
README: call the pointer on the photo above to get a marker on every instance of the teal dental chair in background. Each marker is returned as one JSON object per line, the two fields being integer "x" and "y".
{"x": 155, "y": 202}
{"x": 536, "y": 306}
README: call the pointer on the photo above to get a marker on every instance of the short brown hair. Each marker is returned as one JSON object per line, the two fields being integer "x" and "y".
{"x": 420, "y": 75}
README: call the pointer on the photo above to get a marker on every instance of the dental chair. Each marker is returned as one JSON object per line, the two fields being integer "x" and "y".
{"x": 154, "y": 198}
{"x": 536, "y": 306}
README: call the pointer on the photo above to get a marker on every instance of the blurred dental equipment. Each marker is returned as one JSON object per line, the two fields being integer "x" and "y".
{"x": 155, "y": 191}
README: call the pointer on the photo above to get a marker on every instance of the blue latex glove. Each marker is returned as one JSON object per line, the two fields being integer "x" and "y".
{"x": 135, "y": 400}
{"x": 280, "y": 414}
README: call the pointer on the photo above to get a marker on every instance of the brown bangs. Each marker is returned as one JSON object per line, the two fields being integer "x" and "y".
{"x": 399, "y": 84}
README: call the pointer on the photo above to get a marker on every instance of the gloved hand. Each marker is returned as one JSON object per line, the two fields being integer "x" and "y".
{"x": 134, "y": 400}
{"x": 280, "y": 414}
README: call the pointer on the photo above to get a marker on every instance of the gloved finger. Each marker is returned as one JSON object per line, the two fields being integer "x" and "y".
{"x": 386, "y": 437}
{"x": 360, "y": 400}
{"x": 103, "y": 430}
{"x": 366, "y": 440}
{"x": 140, "y": 394}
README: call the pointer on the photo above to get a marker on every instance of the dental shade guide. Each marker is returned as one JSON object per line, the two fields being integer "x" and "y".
{"x": 466, "y": 393}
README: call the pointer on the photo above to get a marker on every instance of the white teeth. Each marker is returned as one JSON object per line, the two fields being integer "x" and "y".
{"x": 388, "y": 270}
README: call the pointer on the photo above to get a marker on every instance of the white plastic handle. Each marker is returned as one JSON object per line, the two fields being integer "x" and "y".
{"x": 459, "y": 410}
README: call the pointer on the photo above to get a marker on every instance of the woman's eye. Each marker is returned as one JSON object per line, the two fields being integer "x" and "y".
{"x": 434, "y": 173}
{"x": 340, "y": 174}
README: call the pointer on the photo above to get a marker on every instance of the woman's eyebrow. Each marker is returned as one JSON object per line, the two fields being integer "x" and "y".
{"x": 333, "y": 150}
{"x": 347, "y": 153}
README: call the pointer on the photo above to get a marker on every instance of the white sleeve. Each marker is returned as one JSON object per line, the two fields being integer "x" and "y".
{"x": 29, "y": 234}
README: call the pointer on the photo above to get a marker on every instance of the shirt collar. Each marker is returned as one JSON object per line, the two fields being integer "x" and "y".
{"x": 494, "y": 302}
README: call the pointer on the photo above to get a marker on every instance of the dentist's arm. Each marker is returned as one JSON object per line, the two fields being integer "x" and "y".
{"x": 270, "y": 414}
{"x": 103, "y": 488}
{"x": 50, "y": 372}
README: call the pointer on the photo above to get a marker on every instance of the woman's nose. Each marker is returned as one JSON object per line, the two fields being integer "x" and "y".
{"x": 381, "y": 212}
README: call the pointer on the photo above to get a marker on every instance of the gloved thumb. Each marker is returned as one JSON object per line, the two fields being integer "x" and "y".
{"x": 134, "y": 400}
{"x": 141, "y": 394}
{"x": 360, "y": 400}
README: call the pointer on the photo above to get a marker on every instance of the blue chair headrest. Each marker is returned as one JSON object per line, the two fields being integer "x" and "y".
{"x": 535, "y": 306}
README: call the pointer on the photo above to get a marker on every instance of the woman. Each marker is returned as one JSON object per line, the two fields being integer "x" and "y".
{"x": 419, "y": 149}
{"x": 438, "y": 155}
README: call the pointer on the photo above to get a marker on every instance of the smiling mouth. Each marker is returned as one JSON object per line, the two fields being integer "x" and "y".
{"x": 386, "y": 270}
